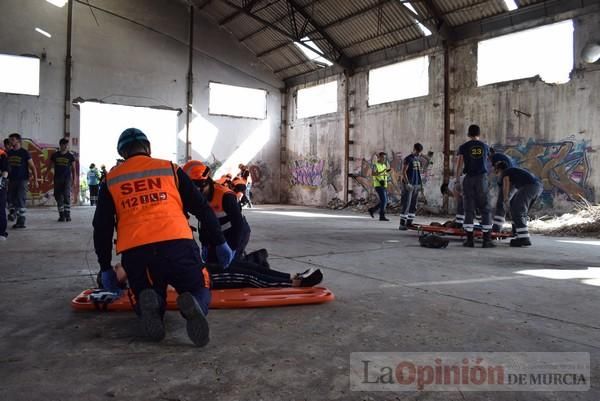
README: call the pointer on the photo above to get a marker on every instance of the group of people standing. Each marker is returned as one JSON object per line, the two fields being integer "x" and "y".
{"x": 15, "y": 167}
{"x": 411, "y": 182}
{"x": 518, "y": 190}
{"x": 18, "y": 174}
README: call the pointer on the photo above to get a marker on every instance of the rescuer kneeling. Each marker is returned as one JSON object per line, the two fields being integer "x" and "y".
{"x": 145, "y": 198}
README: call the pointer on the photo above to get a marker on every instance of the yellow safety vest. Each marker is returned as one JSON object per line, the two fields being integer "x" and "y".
{"x": 381, "y": 175}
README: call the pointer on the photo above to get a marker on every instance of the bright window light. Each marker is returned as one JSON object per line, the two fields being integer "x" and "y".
{"x": 422, "y": 27}
{"x": 317, "y": 100}
{"x": 101, "y": 125}
{"x": 40, "y": 30}
{"x": 311, "y": 55}
{"x": 546, "y": 51}
{"x": 404, "y": 80}
{"x": 237, "y": 101}
{"x": 58, "y": 3}
{"x": 511, "y": 5}
{"x": 19, "y": 75}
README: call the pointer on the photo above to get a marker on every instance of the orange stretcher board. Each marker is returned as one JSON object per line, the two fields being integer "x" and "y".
{"x": 223, "y": 299}
{"x": 459, "y": 232}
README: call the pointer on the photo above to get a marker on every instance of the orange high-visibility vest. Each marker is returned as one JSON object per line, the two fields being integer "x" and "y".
{"x": 147, "y": 201}
{"x": 216, "y": 203}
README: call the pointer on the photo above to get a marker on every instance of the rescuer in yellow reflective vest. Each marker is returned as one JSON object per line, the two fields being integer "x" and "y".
{"x": 146, "y": 199}
{"x": 381, "y": 173}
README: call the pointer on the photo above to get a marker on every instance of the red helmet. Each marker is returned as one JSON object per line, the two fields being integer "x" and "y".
{"x": 196, "y": 170}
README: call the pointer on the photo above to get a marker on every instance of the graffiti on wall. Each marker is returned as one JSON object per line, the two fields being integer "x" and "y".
{"x": 307, "y": 172}
{"x": 562, "y": 166}
{"x": 362, "y": 175}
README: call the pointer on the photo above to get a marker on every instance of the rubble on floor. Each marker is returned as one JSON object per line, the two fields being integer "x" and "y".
{"x": 584, "y": 222}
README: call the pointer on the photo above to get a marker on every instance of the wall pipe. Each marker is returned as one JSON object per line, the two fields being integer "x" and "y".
{"x": 68, "y": 66}
{"x": 190, "y": 90}
{"x": 446, "y": 121}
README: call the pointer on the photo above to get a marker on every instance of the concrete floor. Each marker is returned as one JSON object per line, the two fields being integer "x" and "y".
{"x": 392, "y": 295}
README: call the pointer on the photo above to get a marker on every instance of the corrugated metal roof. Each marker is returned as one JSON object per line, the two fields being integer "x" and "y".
{"x": 341, "y": 28}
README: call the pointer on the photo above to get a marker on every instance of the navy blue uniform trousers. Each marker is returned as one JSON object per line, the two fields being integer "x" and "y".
{"x": 176, "y": 262}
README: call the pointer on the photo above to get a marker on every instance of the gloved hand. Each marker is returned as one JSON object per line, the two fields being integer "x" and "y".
{"x": 110, "y": 282}
{"x": 458, "y": 186}
{"x": 224, "y": 254}
{"x": 3, "y": 182}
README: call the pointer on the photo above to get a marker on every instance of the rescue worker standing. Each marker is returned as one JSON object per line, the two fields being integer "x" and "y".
{"x": 3, "y": 191}
{"x": 473, "y": 156}
{"x": 380, "y": 172}
{"x": 527, "y": 189}
{"x": 93, "y": 181}
{"x": 19, "y": 161}
{"x": 499, "y": 211}
{"x": 64, "y": 174}
{"x": 146, "y": 198}
{"x": 411, "y": 178}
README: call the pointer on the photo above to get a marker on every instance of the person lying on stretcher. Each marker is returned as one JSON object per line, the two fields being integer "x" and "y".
{"x": 250, "y": 270}
{"x": 249, "y": 276}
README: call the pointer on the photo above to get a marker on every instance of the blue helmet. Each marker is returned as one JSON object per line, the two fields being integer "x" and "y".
{"x": 129, "y": 136}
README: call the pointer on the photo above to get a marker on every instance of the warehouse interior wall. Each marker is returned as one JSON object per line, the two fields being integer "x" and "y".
{"x": 552, "y": 130}
{"x": 135, "y": 53}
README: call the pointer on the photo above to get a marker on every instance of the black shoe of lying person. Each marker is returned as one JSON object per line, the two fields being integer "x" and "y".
{"x": 312, "y": 279}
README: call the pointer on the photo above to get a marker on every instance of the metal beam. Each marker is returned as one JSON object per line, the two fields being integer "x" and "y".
{"x": 231, "y": 17}
{"x": 442, "y": 27}
{"x": 278, "y": 20}
{"x": 420, "y": 19}
{"x": 342, "y": 59}
{"x": 202, "y": 4}
{"x": 284, "y": 33}
{"x": 330, "y": 25}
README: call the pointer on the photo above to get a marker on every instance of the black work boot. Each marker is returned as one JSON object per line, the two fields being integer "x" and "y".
{"x": 197, "y": 325}
{"x": 11, "y": 215}
{"x": 372, "y": 212}
{"x": 20, "y": 222}
{"x": 519, "y": 242}
{"x": 61, "y": 216}
{"x": 68, "y": 216}
{"x": 469, "y": 241}
{"x": 487, "y": 240}
{"x": 150, "y": 315}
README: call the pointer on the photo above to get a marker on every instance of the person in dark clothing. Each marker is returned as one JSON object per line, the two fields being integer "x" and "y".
{"x": 19, "y": 161}
{"x": 412, "y": 182}
{"x": 245, "y": 270}
{"x": 93, "y": 181}
{"x": 103, "y": 173}
{"x": 64, "y": 172}
{"x": 499, "y": 212}
{"x": 519, "y": 189}
{"x": 3, "y": 191}
{"x": 146, "y": 200}
{"x": 473, "y": 156}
